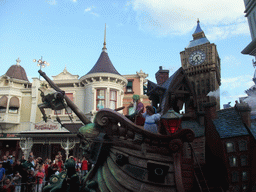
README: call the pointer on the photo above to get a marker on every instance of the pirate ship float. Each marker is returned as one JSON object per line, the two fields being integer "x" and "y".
{"x": 122, "y": 163}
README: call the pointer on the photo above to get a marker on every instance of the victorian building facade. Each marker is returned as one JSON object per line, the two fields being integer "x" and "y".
{"x": 22, "y": 126}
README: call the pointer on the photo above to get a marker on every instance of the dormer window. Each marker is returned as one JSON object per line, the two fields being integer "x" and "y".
{"x": 14, "y": 105}
{"x": 3, "y": 104}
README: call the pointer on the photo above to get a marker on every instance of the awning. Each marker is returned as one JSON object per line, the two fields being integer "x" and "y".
{"x": 3, "y": 101}
{"x": 250, "y": 49}
{"x": 129, "y": 84}
{"x": 14, "y": 102}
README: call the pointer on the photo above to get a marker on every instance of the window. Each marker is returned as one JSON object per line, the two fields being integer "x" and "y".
{"x": 233, "y": 161}
{"x": 244, "y": 161}
{"x": 100, "y": 99}
{"x": 235, "y": 176}
{"x": 145, "y": 90}
{"x": 244, "y": 176}
{"x": 14, "y": 105}
{"x": 70, "y": 96}
{"x": 129, "y": 86}
{"x": 3, "y": 104}
{"x": 230, "y": 147}
{"x": 113, "y": 99}
{"x": 242, "y": 145}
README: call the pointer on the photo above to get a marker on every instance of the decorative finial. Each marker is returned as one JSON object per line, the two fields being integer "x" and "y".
{"x": 104, "y": 44}
{"x": 65, "y": 69}
{"x": 18, "y": 61}
{"x": 198, "y": 20}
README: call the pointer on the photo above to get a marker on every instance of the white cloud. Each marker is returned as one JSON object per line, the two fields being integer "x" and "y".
{"x": 51, "y": 2}
{"x": 166, "y": 17}
{"x": 89, "y": 10}
{"x": 230, "y": 61}
{"x": 244, "y": 81}
{"x": 74, "y": 1}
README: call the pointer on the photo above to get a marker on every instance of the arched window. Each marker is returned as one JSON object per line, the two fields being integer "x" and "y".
{"x": 14, "y": 105}
{"x": 3, "y": 104}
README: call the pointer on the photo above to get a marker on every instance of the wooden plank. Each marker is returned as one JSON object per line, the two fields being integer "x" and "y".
{"x": 131, "y": 183}
{"x": 139, "y": 154}
{"x": 101, "y": 183}
{"x": 140, "y": 162}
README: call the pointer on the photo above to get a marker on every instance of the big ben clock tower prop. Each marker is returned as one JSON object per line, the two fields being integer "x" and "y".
{"x": 201, "y": 62}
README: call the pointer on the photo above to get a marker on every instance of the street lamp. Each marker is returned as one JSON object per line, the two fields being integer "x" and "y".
{"x": 171, "y": 121}
{"x": 41, "y": 63}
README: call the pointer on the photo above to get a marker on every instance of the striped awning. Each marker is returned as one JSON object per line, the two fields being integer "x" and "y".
{"x": 3, "y": 101}
{"x": 14, "y": 102}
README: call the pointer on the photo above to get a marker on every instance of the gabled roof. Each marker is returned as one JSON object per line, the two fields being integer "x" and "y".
{"x": 153, "y": 88}
{"x": 103, "y": 65}
{"x": 229, "y": 123}
{"x": 65, "y": 75}
{"x": 172, "y": 79}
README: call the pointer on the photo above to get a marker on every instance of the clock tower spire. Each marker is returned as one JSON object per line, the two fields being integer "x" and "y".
{"x": 201, "y": 63}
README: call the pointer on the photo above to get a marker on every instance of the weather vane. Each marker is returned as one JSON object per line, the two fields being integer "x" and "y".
{"x": 41, "y": 63}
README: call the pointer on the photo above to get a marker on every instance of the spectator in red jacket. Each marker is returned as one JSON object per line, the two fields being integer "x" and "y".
{"x": 84, "y": 166}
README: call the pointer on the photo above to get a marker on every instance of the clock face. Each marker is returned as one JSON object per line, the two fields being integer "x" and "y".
{"x": 197, "y": 57}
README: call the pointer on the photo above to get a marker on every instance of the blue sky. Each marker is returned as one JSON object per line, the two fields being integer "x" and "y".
{"x": 141, "y": 35}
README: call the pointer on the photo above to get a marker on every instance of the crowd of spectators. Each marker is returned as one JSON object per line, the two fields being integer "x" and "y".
{"x": 32, "y": 174}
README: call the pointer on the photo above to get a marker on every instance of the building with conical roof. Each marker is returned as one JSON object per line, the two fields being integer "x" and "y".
{"x": 21, "y": 121}
{"x": 104, "y": 86}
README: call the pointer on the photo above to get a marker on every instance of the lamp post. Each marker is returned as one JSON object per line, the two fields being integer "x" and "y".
{"x": 41, "y": 63}
{"x": 171, "y": 121}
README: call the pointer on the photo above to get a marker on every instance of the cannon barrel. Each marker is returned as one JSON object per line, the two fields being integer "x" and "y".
{"x": 74, "y": 108}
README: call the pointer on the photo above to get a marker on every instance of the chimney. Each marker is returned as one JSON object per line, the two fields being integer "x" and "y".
{"x": 161, "y": 75}
{"x": 245, "y": 112}
{"x": 210, "y": 110}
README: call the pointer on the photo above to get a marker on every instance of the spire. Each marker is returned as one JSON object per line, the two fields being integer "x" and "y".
{"x": 104, "y": 44}
{"x": 198, "y": 28}
{"x": 199, "y": 37}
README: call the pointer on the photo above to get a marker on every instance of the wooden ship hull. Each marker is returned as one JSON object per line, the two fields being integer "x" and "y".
{"x": 124, "y": 163}
{"x": 125, "y": 156}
